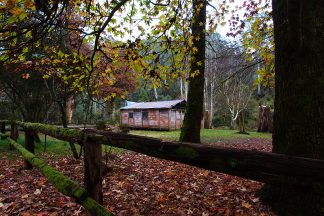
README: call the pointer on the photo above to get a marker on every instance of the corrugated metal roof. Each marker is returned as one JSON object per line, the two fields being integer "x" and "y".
{"x": 153, "y": 105}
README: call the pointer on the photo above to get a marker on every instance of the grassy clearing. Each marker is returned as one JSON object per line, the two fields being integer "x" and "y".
{"x": 53, "y": 146}
{"x": 207, "y": 135}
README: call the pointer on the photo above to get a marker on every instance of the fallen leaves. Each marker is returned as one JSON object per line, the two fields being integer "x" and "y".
{"x": 37, "y": 192}
{"x": 138, "y": 185}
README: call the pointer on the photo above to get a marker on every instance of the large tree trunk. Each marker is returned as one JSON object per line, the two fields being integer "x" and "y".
{"x": 299, "y": 98}
{"x": 190, "y": 131}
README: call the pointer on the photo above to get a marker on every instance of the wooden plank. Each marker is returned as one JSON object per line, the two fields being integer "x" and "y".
{"x": 29, "y": 145}
{"x": 138, "y": 119}
{"x": 153, "y": 118}
{"x": 14, "y": 133}
{"x": 260, "y": 166}
{"x": 164, "y": 119}
{"x": 124, "y": 117}
{"x": 178, "y": 119}
{"x": 93, "y": 170}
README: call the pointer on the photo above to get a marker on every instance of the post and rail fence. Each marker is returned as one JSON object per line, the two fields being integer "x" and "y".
{"x": 265, "y": 167}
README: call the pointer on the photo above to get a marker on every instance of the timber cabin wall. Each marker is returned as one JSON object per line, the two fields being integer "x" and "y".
{"x": 158, "y": 119}
{"x": 159, "y": 115}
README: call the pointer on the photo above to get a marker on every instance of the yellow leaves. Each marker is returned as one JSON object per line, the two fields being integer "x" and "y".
{"x": 16, "y": 11}
{"x": 194, "y": 49}
{"x": 246, "y": 205}
{"x": 29, "y": 4}
{"x": 195, "y": 73}
{"x": 46, "y": 76}
{"x": 25, "y": 49}
{"x": 56, "y": 61}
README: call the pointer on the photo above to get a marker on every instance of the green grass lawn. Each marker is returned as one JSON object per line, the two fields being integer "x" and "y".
{"x": 53, "y": 146}
{"x": 207, "y": 135}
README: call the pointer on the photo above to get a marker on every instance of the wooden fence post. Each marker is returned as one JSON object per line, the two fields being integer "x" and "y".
{"x": 13, "y": 134}
{"x": 93, "y": 170}
{"x": 3, "y": 128}
{"x": 29, "y": 145}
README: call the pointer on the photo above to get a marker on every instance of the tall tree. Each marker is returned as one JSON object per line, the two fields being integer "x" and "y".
{"x": 190, "y": 131}
{"x": 299, "y": 98}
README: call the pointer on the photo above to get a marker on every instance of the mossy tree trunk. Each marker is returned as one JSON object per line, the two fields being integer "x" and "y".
{"x": 190, "y": 131}
{"x": 299, "y": 98}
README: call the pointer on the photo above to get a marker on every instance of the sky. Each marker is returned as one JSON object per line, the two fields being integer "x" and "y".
{"x": 221, "y": 29}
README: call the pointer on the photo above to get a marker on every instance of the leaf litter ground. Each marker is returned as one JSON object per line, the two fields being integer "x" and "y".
{"x": 137, "y": 185}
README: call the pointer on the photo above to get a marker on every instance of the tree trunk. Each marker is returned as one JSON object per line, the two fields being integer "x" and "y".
{"x": 190, "y": 132}
{"x": 156, "y": 96}
{"x": 69, "y": 109}
{"x": 241, "y": 120}
{"x": 265, "y": 122}
{"x": 63, "y": 110}
{"x": 113, "y": 111}
{"x": 299, "y": 98}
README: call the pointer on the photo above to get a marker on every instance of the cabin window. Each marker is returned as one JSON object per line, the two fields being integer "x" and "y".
{"x": 145, "y": 115}
{"x": 130, "y": 115}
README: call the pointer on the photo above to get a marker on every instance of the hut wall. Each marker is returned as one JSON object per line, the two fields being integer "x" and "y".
{"x": 138, "y": 118}
{"x": 124, "y": 117}
{"x": 179, "y": 118}
{"x": 172, "y": 123}
{"x": 153, "y": 116}
{"x": 130, "y": 118}
{"x": 145, "y": 119}
{"x": 164, "y": 118}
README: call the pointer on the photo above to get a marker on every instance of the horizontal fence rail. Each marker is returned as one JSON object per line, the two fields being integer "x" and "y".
{"x": 260, "y": 166}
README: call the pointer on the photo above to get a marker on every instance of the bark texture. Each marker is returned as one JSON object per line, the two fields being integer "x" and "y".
{"x": 93, "y": 170}
{"x": 299, "y": 98}
{"x": 190, "y": 131}
{"x": 265, "y": 123}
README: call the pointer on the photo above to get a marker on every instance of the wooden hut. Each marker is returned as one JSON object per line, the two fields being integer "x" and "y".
{"x": 160, "y": 115}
